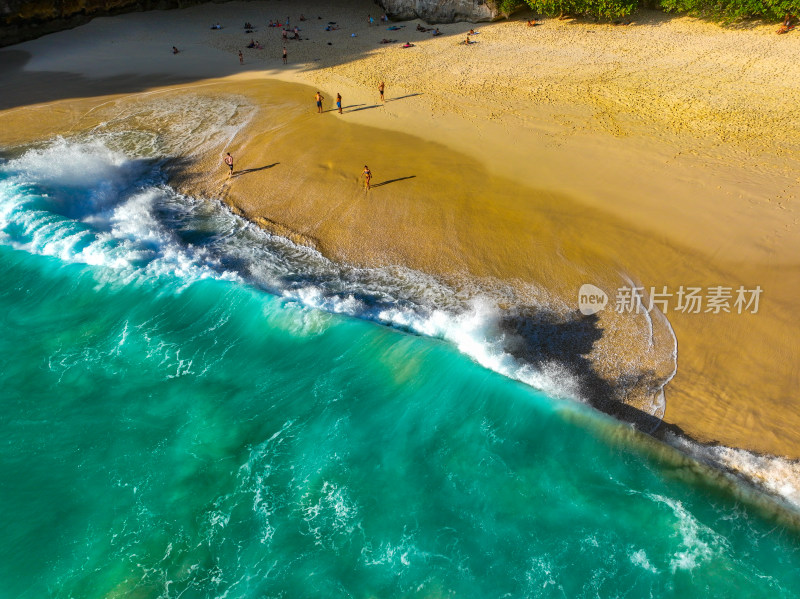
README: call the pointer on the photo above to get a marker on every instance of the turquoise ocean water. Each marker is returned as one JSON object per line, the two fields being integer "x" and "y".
{"x": 191, "y": 409}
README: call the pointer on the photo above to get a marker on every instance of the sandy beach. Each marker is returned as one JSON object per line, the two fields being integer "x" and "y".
{"x": 662, "y": 154}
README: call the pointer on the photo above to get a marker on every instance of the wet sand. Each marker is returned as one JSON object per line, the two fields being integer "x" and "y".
{"x": 547, "y": 158}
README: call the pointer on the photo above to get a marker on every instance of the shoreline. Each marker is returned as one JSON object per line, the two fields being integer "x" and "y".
{"x": 577, "y": 218}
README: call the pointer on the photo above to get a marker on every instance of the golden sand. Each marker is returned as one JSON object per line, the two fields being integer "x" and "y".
{"x": 534, "y": 161}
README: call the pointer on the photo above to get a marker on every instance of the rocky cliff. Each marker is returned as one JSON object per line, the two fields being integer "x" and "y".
{"x": 440, "y": 11}
{"x": 22, "y": 20}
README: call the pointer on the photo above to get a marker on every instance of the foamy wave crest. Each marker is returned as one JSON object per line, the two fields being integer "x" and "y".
{"x": 777, "y": 476}
{"x": 83, "y": 202}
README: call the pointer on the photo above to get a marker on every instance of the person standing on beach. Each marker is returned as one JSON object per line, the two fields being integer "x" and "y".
{"x": 381, "y": 87}
{"x": 284, "y": 55}
{"x": 241, "y": 57}
{"x": 319, "y": 97}
{"x": 339, "y": 102}
{"x": 229, "y": 161}
{"x": 367, "y": 176}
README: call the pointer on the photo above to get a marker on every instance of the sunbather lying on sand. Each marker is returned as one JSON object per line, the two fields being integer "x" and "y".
{"x": 408, "y": 45}
{"x": 786, "y": 26}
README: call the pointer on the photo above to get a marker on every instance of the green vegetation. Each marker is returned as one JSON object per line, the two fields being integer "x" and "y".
{"x": 723, "y": 10}
{"x": 506, "y": 7}
{"x": 602, "y": 9}
{"x": 730, "y": 10}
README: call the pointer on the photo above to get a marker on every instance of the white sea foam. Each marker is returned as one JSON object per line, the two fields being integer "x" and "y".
{"x": 698, "y": 543}
{"x": 639, "y": 558}
{"x": 84, "y": 202}
{"x": 397, "y": 556}
{"x": 158, "y": 125}
{"x": 90, "y": 166}
{"x": 777, "y": 476}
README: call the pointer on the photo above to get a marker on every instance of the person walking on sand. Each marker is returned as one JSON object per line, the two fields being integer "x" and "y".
{"x": 367, "y": 174}
{"x": 339, "y": 102}
{"x": 241, "y": 57}
{"x": 284, "y": 55}
{"x": 381, "y": 87}
{"x": 229, "y": 161}
{"x": 319, "y": 97}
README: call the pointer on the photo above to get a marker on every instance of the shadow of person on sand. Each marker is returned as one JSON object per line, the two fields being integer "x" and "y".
{"x": 404, "y": 97}
{"x": 334, "y": 109}
{"x": 253, "y": 170}
{"x": 392, "y": 181}
{"x": 365, "y": 107}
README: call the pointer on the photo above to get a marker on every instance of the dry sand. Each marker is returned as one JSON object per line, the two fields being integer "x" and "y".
{"x": 530, "y": 162}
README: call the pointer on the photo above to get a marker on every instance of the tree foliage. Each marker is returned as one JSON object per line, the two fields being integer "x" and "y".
{"x": 506, "y": 7}
{"x": 731, "y": 10}
{"x": 602, "y": 9}
{"x": 728, "y": 10}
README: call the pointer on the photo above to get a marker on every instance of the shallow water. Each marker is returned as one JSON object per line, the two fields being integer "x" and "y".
{"x": 191, "y": 410}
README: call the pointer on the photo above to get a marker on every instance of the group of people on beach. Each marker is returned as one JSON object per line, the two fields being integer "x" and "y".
{"x": 384, "y": 19}
{"x": 318, "y": 98}
{"x": 294, "y": 34}
{"x": 366, "y": 173}
{"x": 291, "y": 34}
